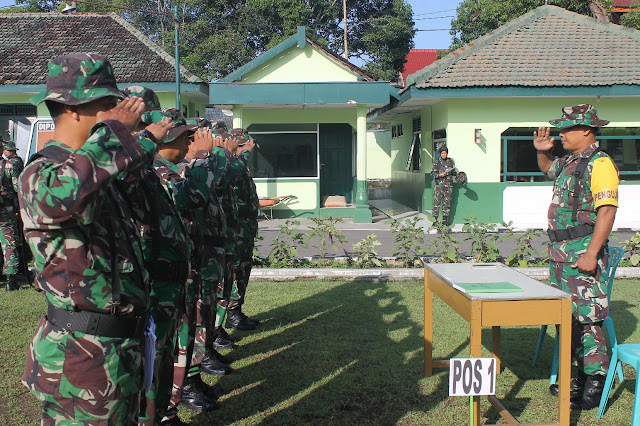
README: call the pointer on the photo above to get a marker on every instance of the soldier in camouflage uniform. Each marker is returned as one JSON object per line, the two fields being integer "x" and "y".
{"x": 9, "y": 171}
{"x": 191, "y": 182}
{"x": 213, "y": 222}
{"x": 581, "y": 215}
{"x": 85, "y": 361}
{"x": 248, "y": 206}
{"x": 442, "y": 172}
{"x": 166, "y": 251}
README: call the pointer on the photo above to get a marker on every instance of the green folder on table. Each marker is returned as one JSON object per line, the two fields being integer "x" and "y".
{"x": 495, "y": 287}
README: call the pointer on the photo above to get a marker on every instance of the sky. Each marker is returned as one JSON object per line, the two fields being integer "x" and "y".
{"x": 429, "y": 15}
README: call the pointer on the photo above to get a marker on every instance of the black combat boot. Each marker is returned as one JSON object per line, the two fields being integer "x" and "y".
{"x": 211, "y": 365}
{"x": 237, "y": 321}
{"x": 212, "y": 392}
{"x": 223, "y": 340}
{"x": 593, "y": 387}
{"x": 12, "y": 284}
{"x": 254, "y": 321}
{"x": 225, "y": 359}
{"x": 445, "y": 219}
{"x": 193, "y": 398}
{"x": 575, "y": 389}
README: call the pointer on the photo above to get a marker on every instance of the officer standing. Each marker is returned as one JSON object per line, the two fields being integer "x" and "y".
{"x": 9, "y": 171}
{"x": 86, "y": 358}
{"x": 442, "y": 172}
{"x": 581, "y": 215}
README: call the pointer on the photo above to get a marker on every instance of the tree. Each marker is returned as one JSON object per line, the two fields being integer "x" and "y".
{"x": 476, "y": 18}
{"x": 631, "y": 19}
{"x": 218, "y": 36}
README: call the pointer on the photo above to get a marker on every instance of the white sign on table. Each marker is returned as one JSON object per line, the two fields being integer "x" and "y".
{"x": 472, "y": 376}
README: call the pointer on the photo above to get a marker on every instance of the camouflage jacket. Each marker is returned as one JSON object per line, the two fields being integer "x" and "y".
{"x": 79, "y": 225}
{"x": 11, "y": 169}
{"x": 228, "y": 198}
{"x": 561, "y": 207}
{"x": 248, "y": 202}
{"x": 210, "y": 217}
{"x": 442, "y": 166}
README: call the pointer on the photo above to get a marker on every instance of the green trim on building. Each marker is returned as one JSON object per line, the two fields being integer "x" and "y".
{"x": 364, "y": 92}
{"x": 340, "y": 212}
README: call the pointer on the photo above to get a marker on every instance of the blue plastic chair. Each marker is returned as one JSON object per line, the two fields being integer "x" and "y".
{"x": 615, "y": 255}
{"x": 629, "y": 353}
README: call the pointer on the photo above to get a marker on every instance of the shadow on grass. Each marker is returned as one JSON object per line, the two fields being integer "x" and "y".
{"x": 345, "y": 355}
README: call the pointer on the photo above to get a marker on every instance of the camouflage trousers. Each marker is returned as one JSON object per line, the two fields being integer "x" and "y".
{"x": 8, "y": 225}
{"x": 77, "y": 411}
{"x": 227, "y": 291}
{"x": 442, "y": 194}
{"x": 185, "y": 337}
{"x": 589, "y": 306}
{"x": 242, "y": 268}
{"x": 92, "y": 379}
{"x": 212, "y": 275}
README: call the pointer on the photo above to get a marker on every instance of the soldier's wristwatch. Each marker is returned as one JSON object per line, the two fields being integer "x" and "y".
{"x": 148, "y": 135}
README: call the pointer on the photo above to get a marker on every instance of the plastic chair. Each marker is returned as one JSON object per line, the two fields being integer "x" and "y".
{"x": 629, "y": 353}
{"x": 615, "y": 255}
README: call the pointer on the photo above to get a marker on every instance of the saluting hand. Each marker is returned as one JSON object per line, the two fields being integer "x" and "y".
{"x": 160, "y": 129}
{"x": 248, "y": 146}
{"x": 202, "y": 140}
{"x": 541, "y": 140}
{"x": 128, "y": 112}
{"x": 217, "y": 141}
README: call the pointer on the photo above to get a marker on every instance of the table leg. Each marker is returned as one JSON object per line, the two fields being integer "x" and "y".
{"x": 564, "y": 370}
{"x": 496, "y": 350}
{"x": 428, "y": 325}
{"x": 475, "y": 343}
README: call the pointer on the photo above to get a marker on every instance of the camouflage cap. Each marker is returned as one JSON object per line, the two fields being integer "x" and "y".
{"x": 79, "y": 78}
{"x": 242, "y": 135}
{"x": 200, "y": 122}
{"x": 180, "y": 125}
{"x": 147, "y": 95}
{"x": 220, "y": 132}
{"x": 576, "y": 115}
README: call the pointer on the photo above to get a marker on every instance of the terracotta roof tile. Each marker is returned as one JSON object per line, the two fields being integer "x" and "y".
{"x": 547, "y": 47}
{"x": 29, "y": 40}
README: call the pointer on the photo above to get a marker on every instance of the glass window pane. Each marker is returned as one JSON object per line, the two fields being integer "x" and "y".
{"x": 285, "y": 155}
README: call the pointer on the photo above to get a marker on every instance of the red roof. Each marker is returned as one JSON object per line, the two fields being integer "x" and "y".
{"x": 622, "y": 3}
{"x": 416, "y": 60}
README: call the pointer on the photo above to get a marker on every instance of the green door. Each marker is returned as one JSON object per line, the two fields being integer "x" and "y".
{"x": 336, "y": 160}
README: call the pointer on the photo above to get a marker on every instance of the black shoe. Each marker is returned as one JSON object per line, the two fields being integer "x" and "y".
{"x": 254, "y": 321}
{"x": 194, "y": 399}
{"x": 222, "y": 332}
{"x": 575, "y": 390}
{"x": 225, "y": 359}
{"x": 212, "y": 392}
{"x": 221, "y": 343}
{"x": 12, "y": 284}
{"x": 211, "y": 365}
{"x": 237, "y": 321}
{"x": 593, "y": 387}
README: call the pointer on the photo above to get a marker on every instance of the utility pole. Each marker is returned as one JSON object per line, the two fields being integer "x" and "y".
{"x": 344, "y": 12}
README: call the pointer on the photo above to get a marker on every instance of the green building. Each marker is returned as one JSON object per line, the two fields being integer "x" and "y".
{"x": 307, "y": 108}
{"x": 30, "y": 40}
{"x": 485, "y": 100}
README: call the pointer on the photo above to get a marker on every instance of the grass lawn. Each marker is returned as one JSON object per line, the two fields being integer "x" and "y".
{"x": 334, "y": 352}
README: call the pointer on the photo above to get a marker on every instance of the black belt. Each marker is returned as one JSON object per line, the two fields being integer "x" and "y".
{"x": 98, "y": 324}
{"x": 570, "y": 233}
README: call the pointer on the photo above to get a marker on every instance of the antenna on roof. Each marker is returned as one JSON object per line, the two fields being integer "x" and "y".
{"x": 70, "y": 8}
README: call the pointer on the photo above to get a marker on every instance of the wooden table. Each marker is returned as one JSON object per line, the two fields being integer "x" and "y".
{"x": 537, "y": 304}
